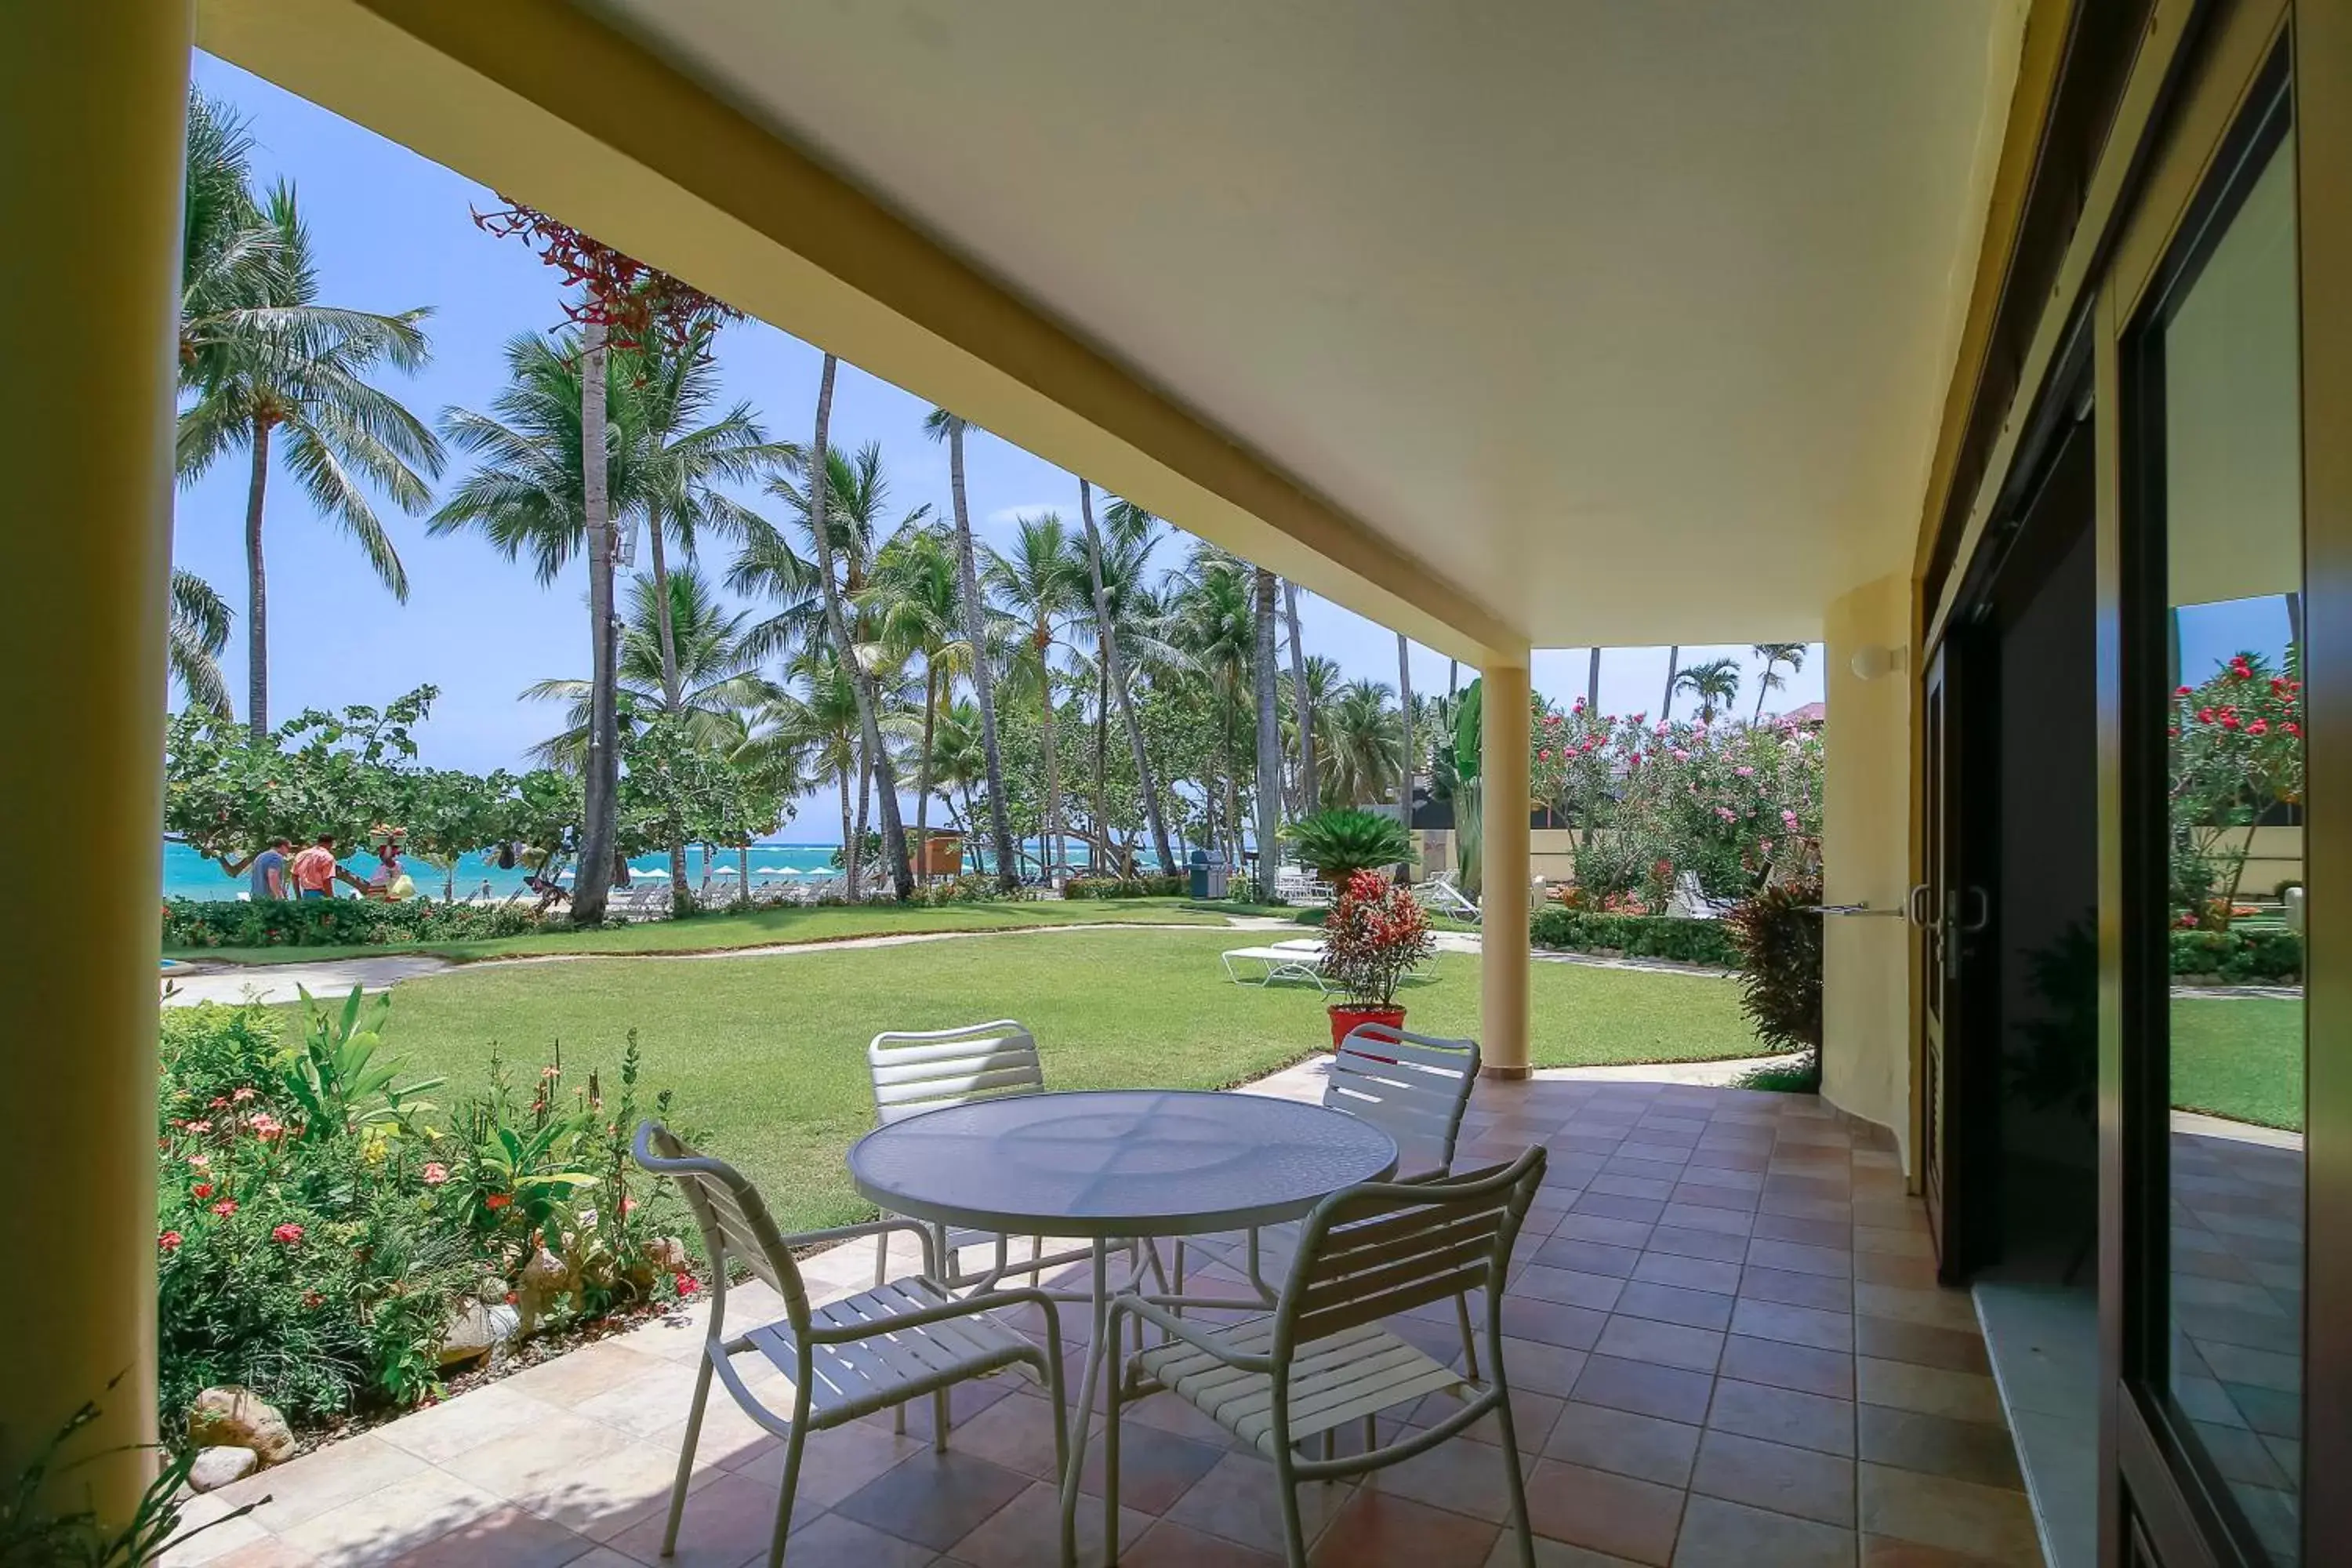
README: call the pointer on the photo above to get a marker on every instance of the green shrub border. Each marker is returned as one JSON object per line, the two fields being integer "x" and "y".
{"x": 335, "y": 922}
{"x": 1125, "y": 887}
{"x": 1635, "y": 936}
{"x": 2239, "y": 957}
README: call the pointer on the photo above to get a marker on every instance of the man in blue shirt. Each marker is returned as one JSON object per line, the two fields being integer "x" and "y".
{"x": 269, "y": 870}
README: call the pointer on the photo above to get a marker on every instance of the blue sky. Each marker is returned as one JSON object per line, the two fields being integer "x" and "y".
{"x": 392, "y": 232}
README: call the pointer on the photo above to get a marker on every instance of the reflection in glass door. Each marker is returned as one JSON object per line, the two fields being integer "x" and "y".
{"x": 2219, "y": 354}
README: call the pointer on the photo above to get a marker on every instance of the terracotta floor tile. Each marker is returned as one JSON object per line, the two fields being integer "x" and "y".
{"x": 1796, "y": 1257}
{"x": 1884, "y": 1551}
{"x": 1789, "y": 1366}
{"x": 1616, "y": 1514}
{"x": 1929, "y": 1390}
{"x": 935, "y": 1499}
{"x": 1645, "y": 1388}
{"x": 1885, "y": 1269}
{"x": 1922, "y": 1345}
{"x": 1606, "y": 1229}
{"x": 1965, "y": 1450}
{"x": 1718, "y": 1275}
{"x": 1541, "y": 1368}
{"x": 1674, "y": 1304}
{"x": 1588, "y": 1256}
{"x": 1154, "y": 1467}
{"x": 831, "y": 1540}
{"x": 1783, "y": 1416}
{"x": 1238, "y": 1500}
{"x": 1624, "y": 1442}
{"x": 1703, "y": 1216}
{"x": 1027, "y": 1532}
{"x": 1824, "y": 1292}
{"x": 725, "y": 1522}
{"x": 1381, "y": 1530}
{"x": 1935, "y": 1308}
{"x": 1905, "y": 1242}
{"x": 1687, "y": 1243}
{"x": 1016, "y": 1433}
{"x": 836, "y": 1463}
{"x": 1615, "y": 1205}
{"x": 1775, "y": 1475}
{"x": 1960, "y": 1516}
{"x": 1720, "y": 1534}
{"x": 512, "y": 1539}
{"x": 1810, "y": 1232}
{"x": 1167, "y": 1544}
{"x": 1704, "y": 1194}
{"x": 608, "y": 1494}
{"x": 1550, "y": 1323}
{"x": 1667, "y": 1345}
{"x": 1793, "y": 1325}
{"x": 1594, "y": 1292}
{"x": 1465, "y": 1477}
{"x": 1632, "y": 1187}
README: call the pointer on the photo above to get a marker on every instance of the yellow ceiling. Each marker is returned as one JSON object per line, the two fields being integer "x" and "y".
{"x": 1631, "y": 318}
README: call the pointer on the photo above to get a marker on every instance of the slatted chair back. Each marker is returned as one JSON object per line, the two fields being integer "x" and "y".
{"x": 931, "y": 1071}
{"x": 1382, "y": 1248}
{"x": 735, "y": 1222}
{"x": 1414, "y": 1088}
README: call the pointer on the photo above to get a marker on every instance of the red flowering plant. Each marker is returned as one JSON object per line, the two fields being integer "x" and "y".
{"x": 2235, "y": 753}
{"x": 1376, "y": 934}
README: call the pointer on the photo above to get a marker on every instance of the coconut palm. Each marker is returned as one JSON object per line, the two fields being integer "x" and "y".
{"x": 1322, "y": 686}
{"x": 1117, "y": 593}
{"x": 1404, "y": 738}
{"x": 1043, "y": 580}
{"x": 225, "y": 246}
{"x": 279, "y": 367}
{"x": 1212, "y": 621}
{"x": 1715, "y": 684}
{"x": 942, "y": 425}
{"x": 1302, "y": 697}
{"x": 957, "y": 763}
{"x": 1367, "y": 743}
{"x": 815, "y": 719}
{"x": 1667, "y": 703}
{"x": 1269, "y": 735}
{"x": 195, "y": 634}
{"x": 1592, "y": 683}
{"x": 1774, "y": 655}
{"x": 719, "y": 677}
{"x": 912, "y": 603}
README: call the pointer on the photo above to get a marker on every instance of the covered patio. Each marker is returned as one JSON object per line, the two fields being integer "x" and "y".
{"x": 1723, "y": 1332}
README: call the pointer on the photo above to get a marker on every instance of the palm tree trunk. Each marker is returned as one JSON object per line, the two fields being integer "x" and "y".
{"x": 1050, "y": 828}
{"x": 1102, "y": 758}
{"x": 1269, "y": 743}
{"x": 743, "y": 872}
{"x": 848, "y": 853}
{"x": 1310, "y": 783}
{"x": 1763, "y": 685}
{"x": 894, "y": 834}
{"x": 923, "y": 766}
{"x": 1404, "y": 783}
{"x": 602, "y": 784}
{"x": 1452, "y": 681}
{"x": 975, "y": 631}
{"x": 1667, "y": 703}
{"x": 855, "y": 855}
{"x": 257, "y": 579}
{"x": 671, "y": 688}
{"x": 1592, "y": 684}
{"x": 1115, "y": 662}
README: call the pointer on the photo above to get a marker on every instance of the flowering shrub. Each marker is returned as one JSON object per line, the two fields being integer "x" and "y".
{"x": 1376, "y": 934}
{"x": 1778, "y": 933}
{"x": 319, "y": 1228}
{"x": 335, "y": 922}
{"x": 2235, "y": 745}
{"x": 1726, "y": 802}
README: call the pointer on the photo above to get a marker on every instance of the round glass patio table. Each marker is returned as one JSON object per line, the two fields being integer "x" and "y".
{"x": 1117, "y": 1163}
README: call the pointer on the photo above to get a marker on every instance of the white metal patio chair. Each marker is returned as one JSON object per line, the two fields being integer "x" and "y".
{"x": 1322, "y": 1360}
{"x": 915, "y": 1071}
{"x": 1415, "y": 1089}
{"x": 874, "y": 1351}
{"x": 1439, "y": 895}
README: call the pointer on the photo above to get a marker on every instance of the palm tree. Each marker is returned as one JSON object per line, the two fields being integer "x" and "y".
{"x": 719, "y": 675}
{"x": 1269, "y": 739}
{"x": 1043, "y": 580}
{"x": 1774, "y": 655}
{"x": 1367, "y": 742}
{"x": 912, "y": 601}
{"x": 225, "y": 246}
{"x": 1322, "y": 683}
{"x": 877, "y": 758}
{"x": 1404, "y": 740}
{"x": 815, "y": 719}
{"x": 1132, "y": 526}
{"x": 1592, "y": 684}
{"x": 1715, "y": 684}
{"x": 1666, "y": 704}
{"x": 284, "y": 367}
{"x": 1302, "y": 697}
{"x": 957, "y": 763}
{"x": 1213, "y": 624}
{"x": 195, "y": 636}
{"x": 942, "y": 425}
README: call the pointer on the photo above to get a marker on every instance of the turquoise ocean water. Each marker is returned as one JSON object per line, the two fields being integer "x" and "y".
{"x": 188, "y": 875}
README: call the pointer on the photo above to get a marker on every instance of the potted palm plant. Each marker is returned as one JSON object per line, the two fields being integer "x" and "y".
{"x": 1376, "y": 935}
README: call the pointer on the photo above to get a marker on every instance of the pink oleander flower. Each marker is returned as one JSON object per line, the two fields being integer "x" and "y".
{"x": 225, "y": 1207}
{"x": 286, "y": 1235}
{"x": 169, "y": 1241}
{"x": 435, "y": 1174}
{"x": 1789, "y": 819}
{"x": 242, "y": 1095}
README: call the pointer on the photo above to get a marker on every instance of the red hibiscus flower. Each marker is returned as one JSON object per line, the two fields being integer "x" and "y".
{"x": 200, "y": 1191}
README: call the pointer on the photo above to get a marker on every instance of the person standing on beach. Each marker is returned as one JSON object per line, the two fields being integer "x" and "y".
{"x": 316, "y": 871}
{"x": 269, "y": 870}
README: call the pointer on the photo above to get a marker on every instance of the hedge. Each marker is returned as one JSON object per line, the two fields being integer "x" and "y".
{"x": 1636, "y": 936}
{"x": 2240, "y": 957}
{"x": 1125, "y": 887}
{"x": 335, "y": 922}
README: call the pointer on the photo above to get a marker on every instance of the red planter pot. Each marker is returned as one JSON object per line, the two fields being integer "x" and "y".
{"x": 1344, "y": 1020}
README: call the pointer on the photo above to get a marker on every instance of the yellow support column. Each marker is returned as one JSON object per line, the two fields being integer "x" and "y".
{"x": 92, "y": 101}
{"x": 1503, "y": 870}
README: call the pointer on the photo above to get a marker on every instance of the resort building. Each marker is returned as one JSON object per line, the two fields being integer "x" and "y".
{"x": 2004, "y": 347}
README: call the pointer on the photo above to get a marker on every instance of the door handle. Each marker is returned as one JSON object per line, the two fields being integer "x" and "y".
{"x": 1983, "y": 916}
{"x": 1918, "y": 905}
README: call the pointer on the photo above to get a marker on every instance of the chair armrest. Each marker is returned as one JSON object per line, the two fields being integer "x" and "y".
{"x": 871, "y": 1228}
{"x": 1152, "y": 1312}
{"x": 968, "y": 1306}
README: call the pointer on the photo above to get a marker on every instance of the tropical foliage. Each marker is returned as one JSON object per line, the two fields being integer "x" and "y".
{"x": 1375, "y": 936}
{"x": 1337, "y": 844}
{"x": 2236, "y": 754}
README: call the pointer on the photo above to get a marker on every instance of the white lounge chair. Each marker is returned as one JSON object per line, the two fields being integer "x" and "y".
{"x": 1439, "y": 896}
{"x": 1321, "y": 1359}
{"x": 873, "y": 1352}
{"x": 1280, "y": 961}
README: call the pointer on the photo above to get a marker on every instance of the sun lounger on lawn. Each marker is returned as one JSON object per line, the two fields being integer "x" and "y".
{"x": 1439, "y": 896}
{"x": 1291, "y": 961}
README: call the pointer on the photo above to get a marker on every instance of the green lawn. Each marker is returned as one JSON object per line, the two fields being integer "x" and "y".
{"x": 767, "y": 1055}
{"x": 763, "y": 927}
{"x": 2238, "y": 1057}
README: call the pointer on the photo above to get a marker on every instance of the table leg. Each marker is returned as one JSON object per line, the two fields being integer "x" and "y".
{"x": 1097, "y": 1351}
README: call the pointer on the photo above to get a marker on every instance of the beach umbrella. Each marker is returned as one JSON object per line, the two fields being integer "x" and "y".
{"x": 722, "y": 870}
{"x": 664, "y": 876}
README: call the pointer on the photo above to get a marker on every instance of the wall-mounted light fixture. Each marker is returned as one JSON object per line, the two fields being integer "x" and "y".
{"x": 1871, "y": 661}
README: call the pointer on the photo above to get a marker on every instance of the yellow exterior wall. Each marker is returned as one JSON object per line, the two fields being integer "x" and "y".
{"x": 1867, "y": 859}
{"x": 92, "y": 97}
